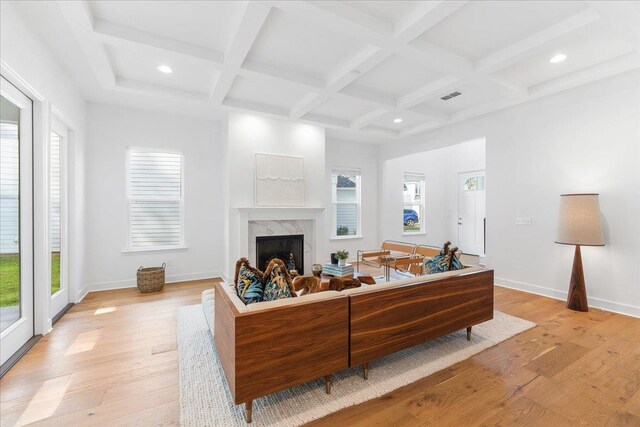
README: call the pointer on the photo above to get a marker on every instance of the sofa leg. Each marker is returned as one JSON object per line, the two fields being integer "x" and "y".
{"x": 248, "y": 411}
{"x": 327, "y": 383}
{"x": 365, "y": 370}
{"x": 469, "y": 333}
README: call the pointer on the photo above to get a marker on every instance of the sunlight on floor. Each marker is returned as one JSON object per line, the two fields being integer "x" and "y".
{"x": 84, "y": 342}
{"x": 46, "y": 400}
{"x": 105, "y": 310}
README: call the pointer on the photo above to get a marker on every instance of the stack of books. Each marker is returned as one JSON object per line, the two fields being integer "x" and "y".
{"x": 335, "y": 270}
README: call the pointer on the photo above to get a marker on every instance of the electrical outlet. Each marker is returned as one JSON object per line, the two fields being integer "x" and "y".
{"x": 523, "y": 220}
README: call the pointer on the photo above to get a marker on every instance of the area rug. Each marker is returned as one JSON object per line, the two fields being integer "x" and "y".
{"x": 205, "y": 399}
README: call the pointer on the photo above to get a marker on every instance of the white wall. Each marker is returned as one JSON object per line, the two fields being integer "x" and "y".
{"x": 583, "y": 139}
{"x": 110, "y": 131}
{"x": 353, "y": 155}
{"x": 27, "y": 62}
{"x": 441, "y": 168}
{"x": 249, "y": 134}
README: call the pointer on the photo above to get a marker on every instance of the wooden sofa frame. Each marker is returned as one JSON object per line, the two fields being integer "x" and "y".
{"x": 266, "y": 350}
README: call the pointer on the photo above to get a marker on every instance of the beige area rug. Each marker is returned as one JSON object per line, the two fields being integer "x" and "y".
{"x": 205, "y": 398}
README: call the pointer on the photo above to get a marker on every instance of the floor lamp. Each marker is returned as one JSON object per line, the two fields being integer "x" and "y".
{"x": 579, "y": 224}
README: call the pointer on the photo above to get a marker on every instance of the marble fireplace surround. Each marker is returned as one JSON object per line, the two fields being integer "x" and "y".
{"x": 256, "y": 222}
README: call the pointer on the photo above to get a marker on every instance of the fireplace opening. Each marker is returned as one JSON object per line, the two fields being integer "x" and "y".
{"x": 290, "y": 249}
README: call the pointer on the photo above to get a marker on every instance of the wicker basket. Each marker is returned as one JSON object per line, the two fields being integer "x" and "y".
{"x": 151, "y": 279}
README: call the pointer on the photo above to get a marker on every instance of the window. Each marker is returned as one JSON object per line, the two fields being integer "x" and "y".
{"x": 155, "y": 199}
{"x": 474, "y": 183}
{"x": 413, "y": 215}
{"x": 345, "y": 196}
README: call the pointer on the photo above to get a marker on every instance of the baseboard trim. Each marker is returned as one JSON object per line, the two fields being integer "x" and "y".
{"x": 18, "y": 355}
{"x": 603, "y": 304}
{"x": 62, "y": 313}
{"x": 131, "y": 283}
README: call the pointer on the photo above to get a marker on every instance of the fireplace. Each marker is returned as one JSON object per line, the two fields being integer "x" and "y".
{"x": 289, "y": 248}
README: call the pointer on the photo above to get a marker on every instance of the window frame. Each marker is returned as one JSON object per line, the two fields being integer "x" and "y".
{"x": 423, "y": 204}
{"x": 130, "y": 201}
{"x": 344, "y": 171}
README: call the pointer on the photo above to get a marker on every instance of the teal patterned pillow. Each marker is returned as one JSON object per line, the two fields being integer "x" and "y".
{"x": 248, "y": 282}
{"x": 446, "y": 260}
{"x": 278, "y": 283}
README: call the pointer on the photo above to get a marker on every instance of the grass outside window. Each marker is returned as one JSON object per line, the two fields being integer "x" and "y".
{"x": 10, "y": 278}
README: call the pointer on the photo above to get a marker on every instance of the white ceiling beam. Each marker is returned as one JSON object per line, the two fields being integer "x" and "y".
{"x": 119, "y": 35}
{"x": 605, "y": 69}
{"x": 419, "y": 128}
{"x": 527, "y": 46}
{"x": 270, "y": 72}
{"x": 429, "y": 91}
{"x": 366, "y": 119}
{"x": 78, "y": 16}
{"x": 255, "y": 13}
{"x": 158, "y": 90}
{"x": 425, "y": 16}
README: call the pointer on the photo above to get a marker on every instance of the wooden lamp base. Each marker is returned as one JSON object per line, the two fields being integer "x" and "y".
{"x": 577, "y": 298}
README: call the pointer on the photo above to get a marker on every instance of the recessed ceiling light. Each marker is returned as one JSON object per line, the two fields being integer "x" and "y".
{"x": 165, "y": 69}
{"x": 397, "y": 120}
{"x": 558, "y": 58}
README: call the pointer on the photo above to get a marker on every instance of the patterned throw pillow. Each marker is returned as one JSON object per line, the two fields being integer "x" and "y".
{"x": 278, "y": 283}
{"x": 446, "y": 260}
{"x": 248, "y": 282}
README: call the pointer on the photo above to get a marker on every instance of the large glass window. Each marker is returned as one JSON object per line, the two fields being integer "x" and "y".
{"x": 55, "y": 203}
{"x": 413, "y": 192}
{"x": 9, "y": 214}
{"x": 345, "y": 195}
{"x": 155, "y": 199}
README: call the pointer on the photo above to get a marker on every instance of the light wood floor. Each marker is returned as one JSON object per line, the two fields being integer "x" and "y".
{"x": 112, "y": 361}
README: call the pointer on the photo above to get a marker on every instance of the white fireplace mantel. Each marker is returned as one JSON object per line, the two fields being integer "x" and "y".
{"x": 313, "y": 214}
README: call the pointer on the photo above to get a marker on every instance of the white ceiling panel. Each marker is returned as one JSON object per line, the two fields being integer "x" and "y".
{"x": 277, "y": 94}
{"x": 189, "y": 74}
{"x": 471, "y": 94}
{"x": 390, "y": 12}
{"x": 396, "y": 77}
{"x": 583, "y": 49}
{"x": 202, "y": 23}
{"x": 292, "y": 44}
{"x": 343, "y": 108}
{"x": 482, "y": 27}
{"x": 409, "y": 119}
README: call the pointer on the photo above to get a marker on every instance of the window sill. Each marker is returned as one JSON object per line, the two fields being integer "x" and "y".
{"x": 149, "y": 250}
{"x": 414, "y": 233}
{"x": 345, "y": 237}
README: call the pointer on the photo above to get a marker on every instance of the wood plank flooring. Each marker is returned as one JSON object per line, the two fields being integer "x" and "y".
{"x": 112, "y": 361}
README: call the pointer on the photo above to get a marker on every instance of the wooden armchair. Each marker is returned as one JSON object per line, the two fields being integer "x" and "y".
{"x": 392, "y": 254}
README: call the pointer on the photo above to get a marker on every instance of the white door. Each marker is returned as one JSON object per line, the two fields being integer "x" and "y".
{"x": 16, "y": 220}
{"x": 57, "y": 216}
{"x": 471, "y": 212}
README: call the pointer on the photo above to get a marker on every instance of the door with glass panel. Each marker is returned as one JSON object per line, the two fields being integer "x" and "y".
{"x": 16, "y": 220}
{"x": 57, "y": 216}
{"x": 471, "y": 212}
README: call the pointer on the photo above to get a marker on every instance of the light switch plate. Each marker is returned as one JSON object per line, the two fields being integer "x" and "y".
{"x": 523, "y": 220}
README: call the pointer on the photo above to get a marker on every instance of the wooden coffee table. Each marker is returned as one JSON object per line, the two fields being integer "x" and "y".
{"x": 364, "y": 278}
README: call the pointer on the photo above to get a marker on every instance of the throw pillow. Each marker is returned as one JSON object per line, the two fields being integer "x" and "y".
{"x": 446, "y": 260}
{"x": 248, "y": 282}
{"x": 277, "y": 282}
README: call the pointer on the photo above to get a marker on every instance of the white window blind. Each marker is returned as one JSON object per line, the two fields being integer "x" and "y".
{"x": 155, "y": 199}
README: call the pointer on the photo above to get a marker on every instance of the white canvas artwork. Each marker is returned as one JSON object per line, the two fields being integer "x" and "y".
{"x": 279, "y": 181}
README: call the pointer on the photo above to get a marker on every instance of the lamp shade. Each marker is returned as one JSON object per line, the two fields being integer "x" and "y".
{"x": 579, "y": 222}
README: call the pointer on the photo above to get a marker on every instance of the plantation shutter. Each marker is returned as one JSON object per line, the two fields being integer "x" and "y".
{"x": 155, "y": 196}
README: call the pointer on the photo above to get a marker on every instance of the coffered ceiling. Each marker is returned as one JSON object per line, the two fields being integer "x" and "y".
{"x": 353, "y": 67}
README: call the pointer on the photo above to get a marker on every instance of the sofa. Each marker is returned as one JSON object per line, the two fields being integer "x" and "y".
{"x": 269, "y": 346}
